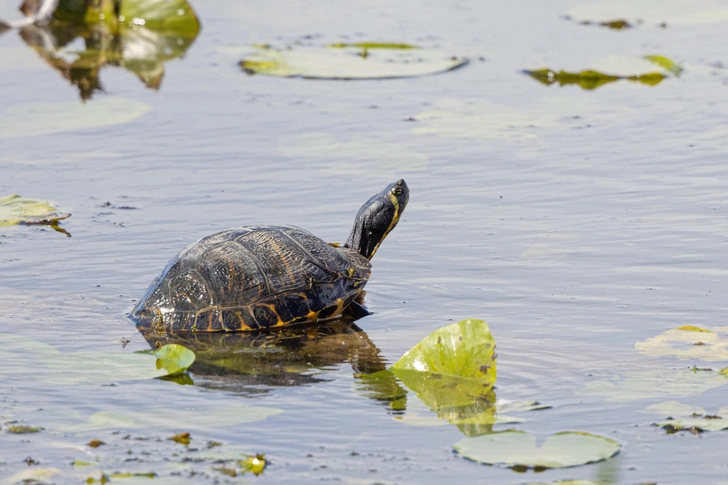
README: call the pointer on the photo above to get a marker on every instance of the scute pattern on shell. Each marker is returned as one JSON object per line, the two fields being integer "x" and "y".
{"x": 251, "y": 278}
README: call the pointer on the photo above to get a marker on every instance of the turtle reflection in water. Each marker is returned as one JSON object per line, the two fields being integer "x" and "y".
{"x": 263, "y": 277}
{"x": 254, "y": 362}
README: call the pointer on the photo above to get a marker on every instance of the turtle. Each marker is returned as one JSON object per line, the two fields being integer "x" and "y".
{"x": 260, "y": 277}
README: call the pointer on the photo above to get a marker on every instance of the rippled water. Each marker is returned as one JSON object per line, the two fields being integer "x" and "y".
{"x": 575, "y": 222}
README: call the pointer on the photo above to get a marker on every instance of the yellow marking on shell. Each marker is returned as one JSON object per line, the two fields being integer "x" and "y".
{"x": 243, "y": 326}
{"x": 395, "y": 220}
{"x": 312, "y": 315}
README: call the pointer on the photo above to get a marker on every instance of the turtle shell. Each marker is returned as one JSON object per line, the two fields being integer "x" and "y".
{"x": 253, "y": 278}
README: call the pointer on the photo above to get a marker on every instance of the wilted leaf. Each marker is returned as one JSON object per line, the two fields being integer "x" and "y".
{"x": 182, "y": 438}
{"x": 347, "y": 62}
{"x": 666, "y": 64}
{"x": 688, "y": 342}
{"x": 518, "y": 449}
{"x": 590, "y": 79}
{"x": 95, "y": 443}
{"x": 174, "y": 358}
{"x": 15, "y": 209}
{"x": 23, "y": 429}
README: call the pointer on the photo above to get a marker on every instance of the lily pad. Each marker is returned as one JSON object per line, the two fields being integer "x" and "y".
{"x": 688, "y": 342}
{"x": 666, "y": 63}
{"x": 653, "y": 11}
{"x": 452, "y": 371}
{"x": 15, "y": 209}
{"x": 643, "y": 385}
{"x": 174, "y": 358}
{"x": 518, "y": 449}
{"x": 20, "y": 120}
{"x": 683, "y": 417}
{"x": 463, "y": 351}
{"x": 199, "y": 418}
{"x": 350, "y": 61}
{"x": 28, "y": 359}
{"x": 590, "y": 79}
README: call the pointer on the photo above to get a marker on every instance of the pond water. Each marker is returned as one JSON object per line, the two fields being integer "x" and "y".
{"x": 576, "y": 222}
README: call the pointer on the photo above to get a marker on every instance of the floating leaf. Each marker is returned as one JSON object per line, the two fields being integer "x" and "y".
{"x": 19, "y": 120}
{"x": 590, "y": 79}
{"x": 518, "y": 449}
{"x": 23, "y": 429}
{"x": 182, "y": 438}
{"x": 666, "y": 63}
{"x": 346, "y": 62}
{"x": 15, "y": 209}
{"x": 373, "y": 45}
{"x": 174, "y": 358}
{"x": 643, "y": 385}
{"x": 199, "y": 418}
{"x": 453, "y": 371}
{"x": 95, "y": 443}
{"x": 254, "y": 464}
{"x": 656, "y": 12}
{"x": 684, "y": 417}
{"x": 688, "y": 342}
{"x": 33, "y": 476}
{"x": 463, "y": 350}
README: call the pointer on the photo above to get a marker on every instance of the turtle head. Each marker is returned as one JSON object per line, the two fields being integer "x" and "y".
{"x": 377, "y": 217}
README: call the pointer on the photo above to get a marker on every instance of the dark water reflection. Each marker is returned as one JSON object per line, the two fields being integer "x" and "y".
{"x": 78, "y": 51}
{"x": 254, "y": 363}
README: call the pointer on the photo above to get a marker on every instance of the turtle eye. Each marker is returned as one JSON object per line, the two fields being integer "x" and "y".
{"x": 398, "y": 191}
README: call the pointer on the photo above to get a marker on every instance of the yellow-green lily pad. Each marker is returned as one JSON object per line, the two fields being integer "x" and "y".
{"x": 174, "y": 358}
{"x": 15, "y": 209}
{"x": 688, "y": 342}
{"x": 590, "y": 79}
{"x": 342, "y": 61}
{"x": 518, "y": 449}
{"x": 451, "y": 366}
{"x": 666, "y": 63}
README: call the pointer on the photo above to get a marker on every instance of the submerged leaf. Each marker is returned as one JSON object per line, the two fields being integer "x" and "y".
{"x": 518, "y": 449}
{"x": 347, "y": 62}
{"x": 688, "y": 342}
{"x": 15, "y": 209}
{"x": 174, "y": 358}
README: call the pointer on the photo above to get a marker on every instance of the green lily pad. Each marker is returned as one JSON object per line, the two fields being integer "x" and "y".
{"x": 688, "y": 342}
{"x": 349, "y": 62}
{"x": 24, "y": 429}
{"x": 174, "y": 358}
{"x": 518, "y": 449}
{"x": 686, "y": 417}
{"x": 15, "y": 209}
